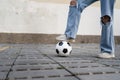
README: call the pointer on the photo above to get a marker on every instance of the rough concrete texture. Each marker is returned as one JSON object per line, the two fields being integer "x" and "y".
{"x": 40, "y": 62}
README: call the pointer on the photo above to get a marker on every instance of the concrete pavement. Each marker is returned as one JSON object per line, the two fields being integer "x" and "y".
{"x": 40, "y": 62}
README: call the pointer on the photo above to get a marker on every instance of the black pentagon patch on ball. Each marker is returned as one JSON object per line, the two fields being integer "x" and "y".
{"x": 57, "y": 51}
{"x": 60, "y": 43}
{"x": 65, "y": 50}
{"x": 68, "y": 43}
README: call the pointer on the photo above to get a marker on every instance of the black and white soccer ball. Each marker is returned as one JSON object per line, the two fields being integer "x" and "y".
{"x": 63, "y": 48}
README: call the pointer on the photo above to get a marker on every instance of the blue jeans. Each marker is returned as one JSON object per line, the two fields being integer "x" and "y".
{"x": 107, "y": 38}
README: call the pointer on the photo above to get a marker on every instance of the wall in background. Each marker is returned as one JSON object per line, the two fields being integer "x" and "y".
{"x": 49, "y": 17}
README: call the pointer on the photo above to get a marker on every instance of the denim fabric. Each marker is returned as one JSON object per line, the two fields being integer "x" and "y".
{"x": 74, "y": 15}
{"x": 107, "y": 37}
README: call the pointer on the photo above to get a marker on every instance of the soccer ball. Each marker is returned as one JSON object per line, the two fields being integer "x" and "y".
{"x": 63, "y": 48}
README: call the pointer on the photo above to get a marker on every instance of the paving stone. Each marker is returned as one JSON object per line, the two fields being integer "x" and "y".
{"x": 88, "y": 68}
{"x": 84, "y": 64}
{"x": 7, "y": 58}
{"x": 37, "y": 69}
{"x": 3, "y": 75}
{"x": 40, "y": 62}
{"x": 38, "y": 73}
{"x": 33, "y": 68}
{"x": 101, "y": 77}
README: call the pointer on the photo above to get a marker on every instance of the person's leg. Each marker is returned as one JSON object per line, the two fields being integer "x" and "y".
{"x": 75, "y": 10}
{"x": 107, "y": 37}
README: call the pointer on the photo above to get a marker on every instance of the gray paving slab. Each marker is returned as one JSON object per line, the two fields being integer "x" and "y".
{"x": 32, "y": 65}
{"x": 101, "y": 77}
{"x": 7, "y": 58}
{"x": 86, "y": 66}
{"x": 3, "y": 75}
{"x": 40, "y": 62}
{"x": 37, "y": 73}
